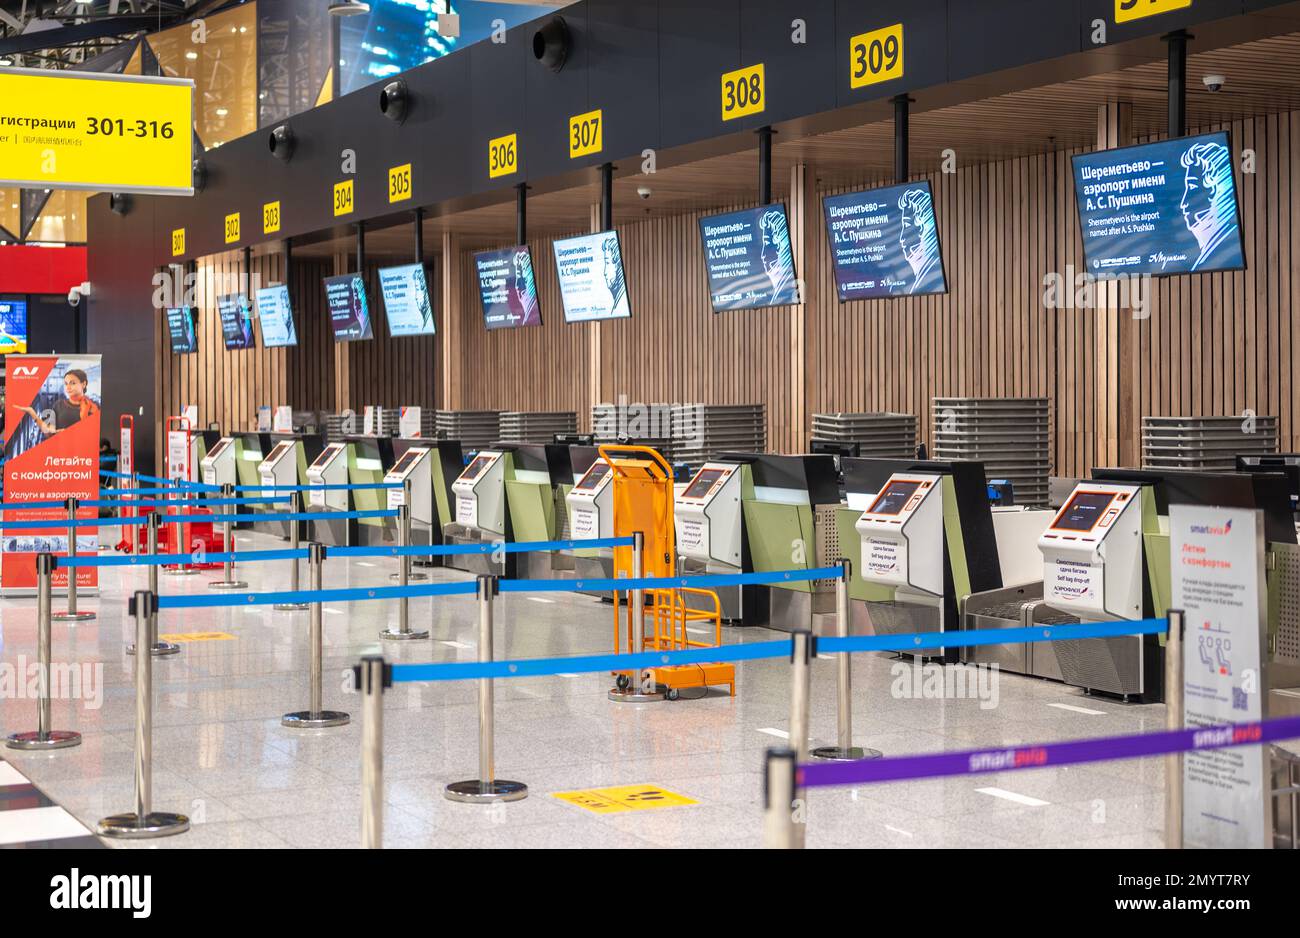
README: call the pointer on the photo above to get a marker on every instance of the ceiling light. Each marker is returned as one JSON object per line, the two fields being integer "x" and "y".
{"x": 348, "y": 8}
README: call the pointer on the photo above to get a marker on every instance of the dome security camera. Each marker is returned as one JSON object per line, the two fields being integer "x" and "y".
{"x": 1214, "y": 82}
{"x": 74, "y": 297}
{"x": 645, "y": 192}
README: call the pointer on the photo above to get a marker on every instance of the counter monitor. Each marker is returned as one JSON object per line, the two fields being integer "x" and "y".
{"x": 703, "y": 482}
{"x": 749, "y": 259}
{"x": 1083, "y": 511}
{"x": 180, "y": 326}
{"x": 275, "y": 311}
{"x": 349, "y": 308}
{"x": 507, "y": 288}
{"x": 476, "y": 467}
{"x": 236, "y": 321}
{"x": 592, "y": 479}
{"x": 407, "y": 302}
{"x": 592, "y": 282}
{"x": 894, "y": 498}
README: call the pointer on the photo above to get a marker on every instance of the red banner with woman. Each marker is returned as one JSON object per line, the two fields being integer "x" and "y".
{"x": 51, "y": 453}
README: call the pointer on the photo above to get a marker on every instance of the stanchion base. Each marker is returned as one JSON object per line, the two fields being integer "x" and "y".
{"x": 129, "y": 826}
{"x": 413, "y": 576}
{"x": 223, "y": 585}
{"x": 54, "y": 739}
{"x": 836, "y": 754}
{"x": 306, "y": 720}
{"x": 392, "y": 635}
{"x": 158, "y": 649}
{"x": 478, "y": 792}
{"x": 634, "y": 696}
{"x": 72, "y": 617}
{"x": 290, "y": 607}
{"x": 179, "y": 571}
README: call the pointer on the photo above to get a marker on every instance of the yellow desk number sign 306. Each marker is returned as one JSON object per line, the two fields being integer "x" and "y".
{"x": 108, "y": 132}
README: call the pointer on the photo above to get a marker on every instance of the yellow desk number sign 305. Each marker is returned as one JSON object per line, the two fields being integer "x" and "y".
{"x": 107, "y": 132}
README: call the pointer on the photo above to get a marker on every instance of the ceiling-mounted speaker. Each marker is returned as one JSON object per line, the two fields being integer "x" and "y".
{"x": 395, "y": 100}
{"x": 199, "y": 174}
{"x": 551, "y": 44}
{"x": 282, "y": 143}
{"x": 119, "y": 203}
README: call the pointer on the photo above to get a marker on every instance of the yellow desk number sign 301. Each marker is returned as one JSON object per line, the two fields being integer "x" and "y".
{"x": 64, "y": 130}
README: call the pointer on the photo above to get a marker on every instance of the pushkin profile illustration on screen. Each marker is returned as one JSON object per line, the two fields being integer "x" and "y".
{"x": 1209, "y": 202}
{"x": 526, "y": 290}
{"x": 614, "y": 274}
{"x": 920, "y": 241}
{"x": 778, "y": 261}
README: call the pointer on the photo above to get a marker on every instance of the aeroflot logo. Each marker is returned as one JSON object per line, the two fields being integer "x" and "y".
{"x": 1216, "y": 530}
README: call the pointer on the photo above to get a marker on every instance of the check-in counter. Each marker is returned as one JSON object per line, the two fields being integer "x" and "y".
{"x": 372, "y": 458}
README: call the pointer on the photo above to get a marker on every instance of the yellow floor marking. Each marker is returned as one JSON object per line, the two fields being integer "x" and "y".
{"x": 624, "y": 798}
{"x": 198, "y": 637}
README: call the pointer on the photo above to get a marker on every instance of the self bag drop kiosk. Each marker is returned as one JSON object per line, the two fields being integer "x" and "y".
{"x": 219, "y": 466}
{"x": 482, "y": 516}
{"x": 331, "y": 468}
{"x": 919, "y": 536}
{"x": 371, "y": 459}
{"x": 591, "y": 517}
{"x": 535, "y": 498}
{"x": 434, "y": 472}
{"x": 280, "y": 468}
{"x": 709, "y": 517}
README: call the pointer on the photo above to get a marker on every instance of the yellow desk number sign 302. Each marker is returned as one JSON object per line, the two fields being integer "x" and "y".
{"x": 114, "y": 133}
{"x": 744, "y": 92}
{"x": 232, "y": 228}
{"x": 876, "y": 56}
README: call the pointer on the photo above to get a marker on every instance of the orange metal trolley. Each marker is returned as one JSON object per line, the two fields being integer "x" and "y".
{"x": 643, "y": 502}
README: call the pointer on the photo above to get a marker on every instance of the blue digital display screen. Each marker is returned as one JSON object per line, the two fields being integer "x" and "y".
{"x": 275, "y": 310}
{"x": 349, "y": 308}
{"x": 508, "y": 288}
{"x": 180, "y": 326}
{"x": 1160, "y": 208}
{"x": 406, "y": 300}
{"x": 885, "y": 242}
{"x": 236, "y": 321}
{"x": 13, "y": 327}
{"x": 749, "y": 259}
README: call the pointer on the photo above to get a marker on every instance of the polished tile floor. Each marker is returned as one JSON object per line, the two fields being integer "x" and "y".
{"x": 222, "y": 757}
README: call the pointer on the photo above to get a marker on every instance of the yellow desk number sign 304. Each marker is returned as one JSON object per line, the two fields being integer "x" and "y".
{"x": 107, "y": 132}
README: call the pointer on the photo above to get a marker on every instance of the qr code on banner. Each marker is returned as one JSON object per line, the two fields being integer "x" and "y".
{"x": 1238, "y": 699}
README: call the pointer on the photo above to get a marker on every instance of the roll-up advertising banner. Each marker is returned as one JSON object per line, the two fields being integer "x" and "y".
{"x": 51, "y": 434}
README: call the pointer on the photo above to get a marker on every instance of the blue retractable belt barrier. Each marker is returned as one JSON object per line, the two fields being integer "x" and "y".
{"x": 185, "y": 503}
{"x": 189, "y": 519}
{"x": 1041, "y": 633}
{"x": 453, "y": 550}
{"x": 316, "y": 488}
{"x": 114, "y": 475}
{"x": 669, "y": 582}
{"x": 468, "y": 588}
{"x": 169, "y": 560}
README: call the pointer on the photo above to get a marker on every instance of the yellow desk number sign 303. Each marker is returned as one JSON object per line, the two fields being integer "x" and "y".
{"x": 74, "y": 130}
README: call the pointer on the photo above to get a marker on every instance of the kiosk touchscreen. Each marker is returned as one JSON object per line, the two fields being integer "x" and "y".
{"x": 902, "y": 535}
{"x": 1092, "y": 554}
{"x": 413, "y": 467}
{"x": 219, "y": 465}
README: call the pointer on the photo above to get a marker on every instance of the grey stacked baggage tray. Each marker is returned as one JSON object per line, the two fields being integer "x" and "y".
{"x": 1205, "y": 443}
{"x": 476, "y": 429}
{"x": 701, "y": 431}
{"x": 881, "y": 435}
{"x": 428, "y": 423}
{"x": 536, "y": 427}
{"x": 646, "y": 424}
{"x": 1010, "y": 436}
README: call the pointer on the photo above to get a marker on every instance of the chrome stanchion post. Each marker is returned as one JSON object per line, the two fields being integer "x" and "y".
{"x": 228, "y": 581}
{"x": 373, "y": 676}
{"x": 1174, "y": 721}
{"x": 783, "y": 816}
{"x": 404, "y": 537}
{"x": 315, "y": 717}
{"x": 637, "y": 686}
{"x": 844, "y": 750}
{"x": 44, "y": 737}
{"x": 486, "y": 788}
{"x": 144, "y": 821}
{"x": 135, "y": 513}
{"x": 157, "y": 647}
{"x": 403, "y": 631}
{"x": 801, "y": 652}
{"x": 72, "y": 615}
{"x": 295, "y": 508}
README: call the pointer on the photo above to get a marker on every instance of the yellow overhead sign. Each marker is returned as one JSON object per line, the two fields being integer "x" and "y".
{"x": 78, "y": 130}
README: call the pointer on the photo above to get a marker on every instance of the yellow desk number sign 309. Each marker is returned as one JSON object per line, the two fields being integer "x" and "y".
{"x": 74, "y": 130}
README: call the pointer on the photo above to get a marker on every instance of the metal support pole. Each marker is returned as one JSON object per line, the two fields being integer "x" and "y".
{"x": 607, "y": 197}
{"x": 315, "y": 717}
{"x": 637, "y": 686}
{"x": 521, "y": 213}
{"x": 72, "y": 615}
{"x": 135, "y": 513}
{"x": 228, "y": 581}
{"x": 372, "y": 677}
{"x": 158, "y": 648}
{"x": 403, "y": 631}
{"x": 44, "y": 737}
{"x": 404, "y": 538}
{"x": 844, "y": 750}
{"x": 1177, "y": 82}
{"x": 144, "y": 821}
{"x": 801, "y": 652}
{"x": 783, "y": 818}
{"x": 295, "y": 507}
{"x": 486, "y": 788}
{"x": 1174, "y": 721}
{"x": 902, "y": 138}
{"x": 765, "y": 166}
